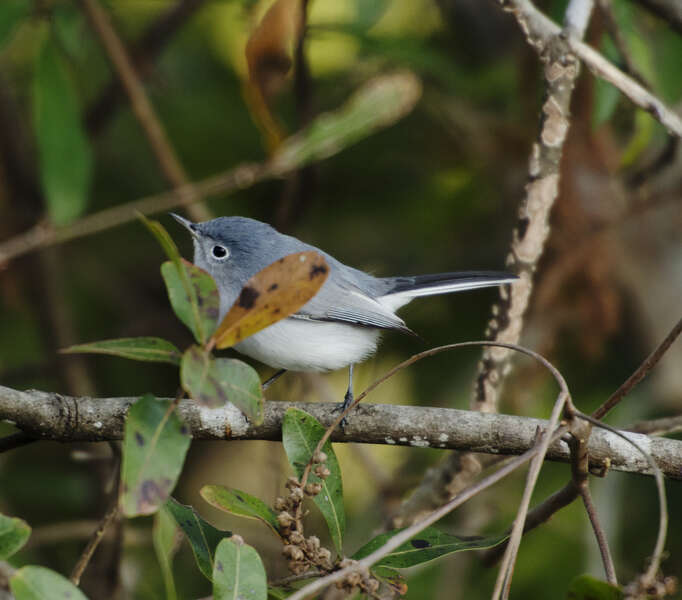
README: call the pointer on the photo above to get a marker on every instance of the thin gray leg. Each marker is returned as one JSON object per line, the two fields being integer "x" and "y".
{"x": 348, "y": 398}
{"x": 268, "y": 382}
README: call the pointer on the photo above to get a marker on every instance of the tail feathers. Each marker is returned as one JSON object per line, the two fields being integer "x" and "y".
{"x": 404, "y": 289}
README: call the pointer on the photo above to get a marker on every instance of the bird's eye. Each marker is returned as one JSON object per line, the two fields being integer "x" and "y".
{"x": 219, "y": 252}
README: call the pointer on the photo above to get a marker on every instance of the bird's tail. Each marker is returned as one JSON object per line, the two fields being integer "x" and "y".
{"x": 403, "y": 289}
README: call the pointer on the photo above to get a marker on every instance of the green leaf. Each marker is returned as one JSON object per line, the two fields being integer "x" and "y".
{"x": 300, "y": 434}
{"x": 278, "y": 593}
{"x": 379, "y": 103}
{"x": 214, "y": 381}
{"x": 150, "y": 349}
{"x": 164, "y": 238}
{"x": 202, "y": 537}
{"x": 164, "y": 535}
{"x": 586, "y": 587}
{"x": 192, "y": 291}
{"x": 11, "y": 13}
{"x": 238, "y": 573}
{"x": 63, "y": 148}
{"x": 39, "y": 583}
{"x": 239, "y": 503}
{"x": 13, "y": 535}
{"x": 425, "y": 546}
{"x": 155, "y": 442}
{"x": 194, "y": 297}
{"x": 392, "y": 578}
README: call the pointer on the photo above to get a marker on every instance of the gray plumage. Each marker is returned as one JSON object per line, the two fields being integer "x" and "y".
{"x": 338, "y": 326}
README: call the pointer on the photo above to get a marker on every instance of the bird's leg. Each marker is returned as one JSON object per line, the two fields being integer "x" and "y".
{"x": 268, "y": 382}
{"x": 348, "y": 398}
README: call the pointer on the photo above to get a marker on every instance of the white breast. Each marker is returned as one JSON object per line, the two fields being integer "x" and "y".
{"x": 301, "y": 345}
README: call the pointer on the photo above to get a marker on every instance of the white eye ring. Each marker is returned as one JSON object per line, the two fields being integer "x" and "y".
{"x": 220, "y": 252}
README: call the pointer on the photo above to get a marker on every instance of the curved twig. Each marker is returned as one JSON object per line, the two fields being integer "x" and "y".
{"x": 649, "y": 577}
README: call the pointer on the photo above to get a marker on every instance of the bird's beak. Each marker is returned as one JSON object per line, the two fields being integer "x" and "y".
{"x": 191, "y": 227}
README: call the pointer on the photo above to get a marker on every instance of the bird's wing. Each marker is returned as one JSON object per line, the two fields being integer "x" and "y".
{"x": 348, "y": 304}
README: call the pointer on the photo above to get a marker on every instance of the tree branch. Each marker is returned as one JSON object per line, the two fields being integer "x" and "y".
{"x": 540, "y": 30}
{"x": 63, "y": 418}
{"x": 143, "y": 52}
{"x": 143, "y": 110}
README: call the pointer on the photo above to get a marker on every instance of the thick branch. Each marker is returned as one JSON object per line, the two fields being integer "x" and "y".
{"x": 67, "y": 419}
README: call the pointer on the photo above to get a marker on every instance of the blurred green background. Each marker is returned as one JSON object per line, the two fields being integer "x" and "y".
{"x": 436, "y": 191}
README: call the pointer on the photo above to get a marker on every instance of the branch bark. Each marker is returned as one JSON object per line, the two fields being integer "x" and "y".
{"x": 540, "y": 30}
{"x": 48, "y": 415}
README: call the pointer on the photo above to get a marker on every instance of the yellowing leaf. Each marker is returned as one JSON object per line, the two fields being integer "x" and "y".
{"x": 269, "y": 59}
{"x": 272, "y": 294}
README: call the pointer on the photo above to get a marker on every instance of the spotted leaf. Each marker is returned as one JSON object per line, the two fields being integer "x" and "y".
{"x": 272, "y": 294}
{"x": 213, "y": 381}
{"x": 155, "y": 442}
{"x": 427, "y": 545}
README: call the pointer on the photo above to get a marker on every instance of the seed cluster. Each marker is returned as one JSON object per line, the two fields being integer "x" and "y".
{"x": 306, "y": 553}
{"x": 302, "y": 553}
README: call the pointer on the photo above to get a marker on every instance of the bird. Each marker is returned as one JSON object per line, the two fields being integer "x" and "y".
{"x": 341, "y": 325}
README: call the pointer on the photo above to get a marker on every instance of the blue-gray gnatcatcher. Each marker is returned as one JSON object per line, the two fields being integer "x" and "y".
{"x": 339, "y": 326}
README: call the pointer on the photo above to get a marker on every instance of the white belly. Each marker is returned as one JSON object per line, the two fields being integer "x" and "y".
{"x": 299, "y": 345}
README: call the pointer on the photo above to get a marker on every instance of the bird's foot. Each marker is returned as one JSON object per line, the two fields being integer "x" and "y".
{"x": 347, "y": 401}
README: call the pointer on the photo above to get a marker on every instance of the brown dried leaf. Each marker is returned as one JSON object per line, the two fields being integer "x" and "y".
{"x": 272, "y": 294}
{"x": 269, "y": 53}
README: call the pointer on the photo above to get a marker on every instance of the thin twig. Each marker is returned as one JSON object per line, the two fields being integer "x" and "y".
{"x": 537, "y": 516}
{"x": 287, "y": 581}
{"x": 94, "y": 541}
{"x": 602, "y": 542}
{"x": 606, "y": 10}
{"x": 664, "y": 426}
{"x": 44, "y": 235}
{"x": 143, "y": 52}
{"x": 503, "y": 583}
{"x": 143, "y": 109}
{"x": 641, "y": 372}
{"x": 541, "y": 29}
{"x": 650, "y": 576}
{"x": 578, "y": 438}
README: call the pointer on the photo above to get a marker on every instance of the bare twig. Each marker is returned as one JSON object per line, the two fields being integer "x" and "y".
{"x": 641, "y": 372}
{"x": 44, "y": 235}
{"x": 606, "y": 10}
{"x": 503, "y": 583}
{"x": 649, "y": 577}
{"x": 143, "y": 110}
{"x": 664, "y": 426}
{"x": 540, "y": 30}
{"x": 537, "y": 516}
{"x": 580, "y": 432}
{"x": 142, "y": 54}
{"x": 94, "y": 541}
